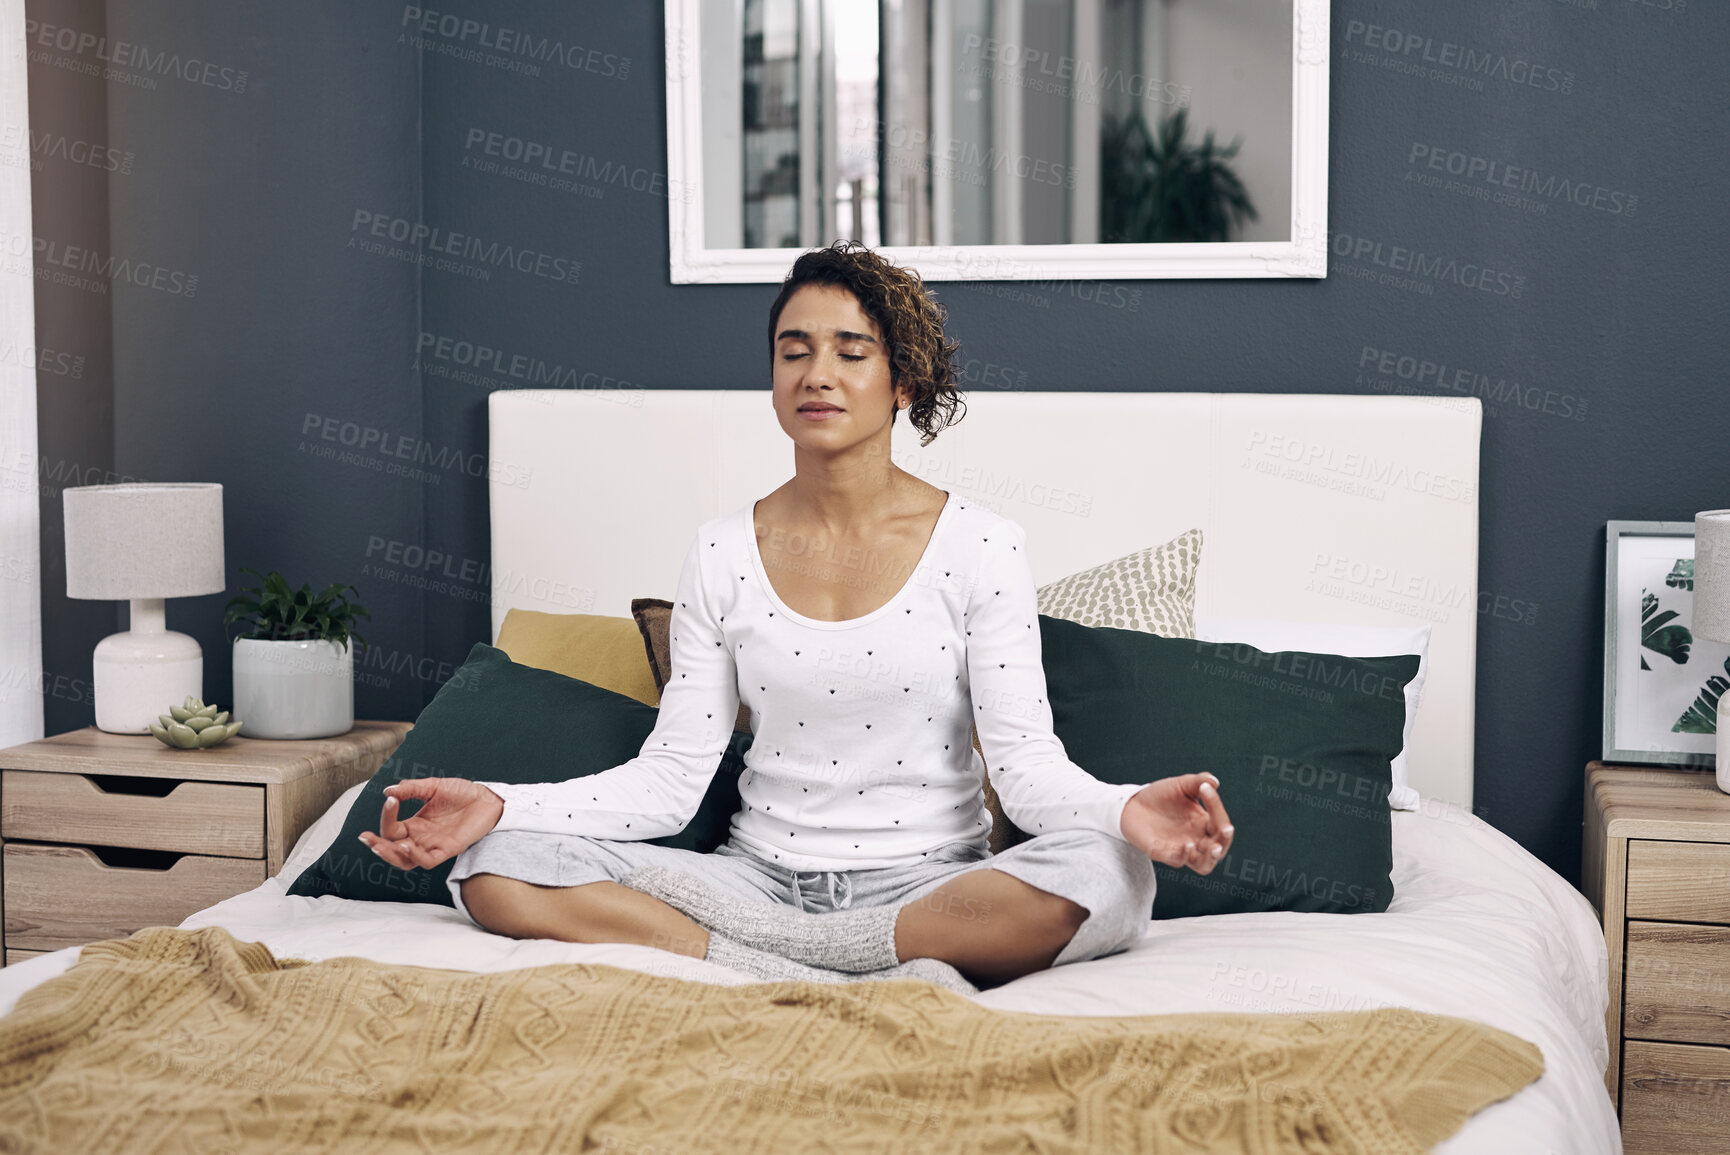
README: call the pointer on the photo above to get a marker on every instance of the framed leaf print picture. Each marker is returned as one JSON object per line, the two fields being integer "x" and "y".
{"x": 1661, "y": 683}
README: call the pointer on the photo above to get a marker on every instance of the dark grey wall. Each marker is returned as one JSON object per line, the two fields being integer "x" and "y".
{"x": 74, "y": 338}
{"x": 1596, "y": 334}
{"x": 246, "y": 136}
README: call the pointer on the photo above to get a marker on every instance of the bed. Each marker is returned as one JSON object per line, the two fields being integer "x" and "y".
{"x": 1314, "y": 507}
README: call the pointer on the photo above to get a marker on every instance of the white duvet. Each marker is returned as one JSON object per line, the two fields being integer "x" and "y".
{"x": 1479, "y": 928}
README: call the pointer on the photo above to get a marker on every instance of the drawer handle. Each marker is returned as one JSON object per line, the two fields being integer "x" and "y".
{"x": 135, "y": 859}
{"x": 126, "y": 784}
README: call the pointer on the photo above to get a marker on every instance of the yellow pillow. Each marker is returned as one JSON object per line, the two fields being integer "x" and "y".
{"x": 603, "y": 651}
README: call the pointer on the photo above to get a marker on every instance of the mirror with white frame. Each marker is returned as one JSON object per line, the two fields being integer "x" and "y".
{"x": 999, "y": 139}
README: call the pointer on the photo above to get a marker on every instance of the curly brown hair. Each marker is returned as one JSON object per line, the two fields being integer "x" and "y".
{"x": 921, "y": 357}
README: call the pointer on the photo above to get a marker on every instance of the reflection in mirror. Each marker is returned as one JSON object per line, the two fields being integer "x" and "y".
{"x": 995, "y": 122}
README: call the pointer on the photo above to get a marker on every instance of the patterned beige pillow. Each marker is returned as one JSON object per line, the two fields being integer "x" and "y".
{"x": 1152, "y": 590}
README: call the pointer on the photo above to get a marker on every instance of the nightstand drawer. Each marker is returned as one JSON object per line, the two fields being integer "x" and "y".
{"x": 1679, "y": 881}
{"x": 1678, "y": 983}
{"x": 192, "y": 817}
{"x": 1675, "y": 1099}
{"x": 58, "y": 896}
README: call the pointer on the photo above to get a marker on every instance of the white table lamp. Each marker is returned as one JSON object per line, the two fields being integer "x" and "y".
{"x": 144, "y": 543}
{"x": 1712, "y": 609}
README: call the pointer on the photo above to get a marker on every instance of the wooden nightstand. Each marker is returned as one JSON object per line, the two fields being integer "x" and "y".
{"x": 103, "y": 834}
{"x": 1657, "y": 867}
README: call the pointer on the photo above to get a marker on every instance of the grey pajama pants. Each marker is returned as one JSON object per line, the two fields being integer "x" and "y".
{"x": 1107, "y": 876}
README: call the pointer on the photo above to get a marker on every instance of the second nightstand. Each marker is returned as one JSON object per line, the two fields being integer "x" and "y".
{"x": 1657, "y": 867}
{"x": 102, "y": 834}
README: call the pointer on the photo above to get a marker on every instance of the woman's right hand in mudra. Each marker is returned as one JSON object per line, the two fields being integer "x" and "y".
{"x": 455, "y": 815}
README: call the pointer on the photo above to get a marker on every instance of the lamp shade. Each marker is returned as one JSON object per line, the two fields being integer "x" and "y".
{"x": 143, "y": 540}
{"x": 1712, "y": 575}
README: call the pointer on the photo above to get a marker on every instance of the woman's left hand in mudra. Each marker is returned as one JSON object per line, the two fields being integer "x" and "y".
{"x": 1180, "y": 822}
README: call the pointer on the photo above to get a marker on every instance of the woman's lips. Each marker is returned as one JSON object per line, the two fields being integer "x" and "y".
{"x": 819, "y": 414}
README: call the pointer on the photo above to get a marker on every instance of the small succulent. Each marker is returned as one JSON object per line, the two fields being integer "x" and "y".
{"x": 194, "y": 726}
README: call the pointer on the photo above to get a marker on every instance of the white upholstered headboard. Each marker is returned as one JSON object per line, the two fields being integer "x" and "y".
{"x": 1314, "y": 507}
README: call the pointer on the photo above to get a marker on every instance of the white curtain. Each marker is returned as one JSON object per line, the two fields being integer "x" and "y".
{"x": 21, "y": 677}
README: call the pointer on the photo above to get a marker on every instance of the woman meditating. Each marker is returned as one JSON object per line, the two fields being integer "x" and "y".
{"x": 869, "y": 620}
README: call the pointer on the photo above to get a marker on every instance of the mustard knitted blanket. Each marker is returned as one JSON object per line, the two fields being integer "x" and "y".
{"x": 188, "y": 1040}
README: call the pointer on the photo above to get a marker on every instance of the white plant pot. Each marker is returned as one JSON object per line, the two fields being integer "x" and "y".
{"x": 1723, "y": 742}
{"x": 293, "y": 689}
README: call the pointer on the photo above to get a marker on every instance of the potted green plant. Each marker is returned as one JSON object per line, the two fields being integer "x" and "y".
{"x": 1163, "y": 187}
{"x": 293, "y": 665}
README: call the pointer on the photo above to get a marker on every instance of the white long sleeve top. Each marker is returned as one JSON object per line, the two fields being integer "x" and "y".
{"x": 862, "y": 755}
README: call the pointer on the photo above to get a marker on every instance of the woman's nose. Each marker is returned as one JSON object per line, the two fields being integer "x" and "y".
{"x": 820, "y": 369}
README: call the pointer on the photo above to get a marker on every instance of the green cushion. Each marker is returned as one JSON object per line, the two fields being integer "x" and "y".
{"x": 1302, "y": 745}
{"x": 498, "y": 721}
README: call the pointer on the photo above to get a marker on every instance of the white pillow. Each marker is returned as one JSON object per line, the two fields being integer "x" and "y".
{"x": 316, "y": 839}
{"x": 1354, "y": 641}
